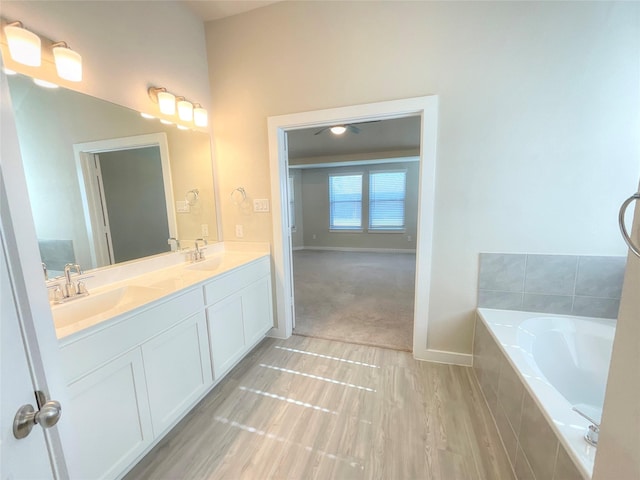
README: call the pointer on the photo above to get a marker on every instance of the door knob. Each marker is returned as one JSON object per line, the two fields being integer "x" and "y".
{"x": 27, "y": 417}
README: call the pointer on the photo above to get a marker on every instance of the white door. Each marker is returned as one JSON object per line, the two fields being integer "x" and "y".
{"x": 27, "y": 457}
{"x": 28, "y": 348}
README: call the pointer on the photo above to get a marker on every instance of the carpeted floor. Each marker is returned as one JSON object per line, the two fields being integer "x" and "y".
{"x": 355, "y": 297}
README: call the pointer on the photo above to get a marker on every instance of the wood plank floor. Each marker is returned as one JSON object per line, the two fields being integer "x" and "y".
{"x": 307, "y": 408}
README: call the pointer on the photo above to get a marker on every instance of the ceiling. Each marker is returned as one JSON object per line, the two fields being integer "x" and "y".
{"x": 399, "y": 134}
{"x": 214, "y": 10}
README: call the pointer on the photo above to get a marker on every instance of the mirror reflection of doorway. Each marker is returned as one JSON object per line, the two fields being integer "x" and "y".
{"x": 133, "y": 202}
{"x": 353, "y": 212}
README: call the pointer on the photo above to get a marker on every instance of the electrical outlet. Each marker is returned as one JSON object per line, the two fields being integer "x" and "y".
{"x": 314, "y": 236}
{"x": 204, "y": 228}
{"x": 261, "y": 205}
{"x": 239, "y": 231}
{"x": 182, "y": 207}
{"x": 408, "y": 238}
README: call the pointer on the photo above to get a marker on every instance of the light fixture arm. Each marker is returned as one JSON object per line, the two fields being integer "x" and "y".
{"x": 153, "y": 93}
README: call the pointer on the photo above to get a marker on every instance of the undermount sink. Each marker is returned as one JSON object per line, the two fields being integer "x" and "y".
{"x": 123, "y": 298}
{"x": 207, "y": 265}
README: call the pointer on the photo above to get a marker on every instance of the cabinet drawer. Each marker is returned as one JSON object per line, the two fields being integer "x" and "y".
{"x": 126, "y": 333}
{"x": 231, "y": 282}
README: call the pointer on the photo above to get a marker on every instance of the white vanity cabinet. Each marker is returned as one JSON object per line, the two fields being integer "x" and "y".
{"x": 111, "y": 418}
{"x": 131, "y": 380}
{"x": 133, "y": 377}
{"x": 239, "y": 313}
{"x": 177, "y": 369}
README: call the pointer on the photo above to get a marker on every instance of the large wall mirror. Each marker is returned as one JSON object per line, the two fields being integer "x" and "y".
{"x": 106, "y": 185}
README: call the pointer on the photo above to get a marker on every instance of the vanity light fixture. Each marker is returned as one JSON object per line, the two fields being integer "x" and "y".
{"x": 165, "y": 100}
{"x": 68, "y": 62}
{"x": 166, "y": 122}
{"x": 338, "y": 129}
{"x": 8, "y": 71}
{"x": 146, "y": 115}
{"x": 200, "y": 117}
{"x": 44, "y": 83}
{"x": 185, "y": 109}
{"x": 182, "y": 127}
{"x": 24, "y": 46}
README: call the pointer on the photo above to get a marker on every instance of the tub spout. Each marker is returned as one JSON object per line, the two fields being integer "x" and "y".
{"x": 593, "y": 431}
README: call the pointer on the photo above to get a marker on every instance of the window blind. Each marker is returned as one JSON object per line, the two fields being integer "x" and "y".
{"x": 387, "y": 192}
{"x": 345, "y": 202}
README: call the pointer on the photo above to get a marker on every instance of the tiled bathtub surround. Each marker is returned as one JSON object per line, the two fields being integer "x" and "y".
{"x": 563, "y": 284}
{"x": 532, "y": 446}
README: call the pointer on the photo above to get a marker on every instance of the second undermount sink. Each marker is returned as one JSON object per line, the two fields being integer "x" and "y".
{"x": 210, "y": 264}
{"x": 119, "y": 299}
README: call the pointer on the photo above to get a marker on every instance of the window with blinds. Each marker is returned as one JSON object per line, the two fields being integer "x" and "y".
{"x": 345, "y": 202}
{"x": 387, "y": 191}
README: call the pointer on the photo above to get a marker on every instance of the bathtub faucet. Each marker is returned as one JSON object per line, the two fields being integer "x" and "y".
{"x": 591, "y": 437}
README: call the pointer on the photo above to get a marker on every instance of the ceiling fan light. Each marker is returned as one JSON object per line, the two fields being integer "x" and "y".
{"x": 338, "y": 129}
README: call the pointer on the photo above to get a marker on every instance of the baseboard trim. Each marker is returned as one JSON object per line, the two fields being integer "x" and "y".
{"x": 442, "y": 356}
{"x": 358, "y": 249}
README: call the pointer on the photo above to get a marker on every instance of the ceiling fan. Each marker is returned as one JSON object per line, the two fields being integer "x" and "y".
{"x": 341, "y": 128}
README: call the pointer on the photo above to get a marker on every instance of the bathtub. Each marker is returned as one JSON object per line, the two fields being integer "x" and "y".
{"x": 562, "y": 361}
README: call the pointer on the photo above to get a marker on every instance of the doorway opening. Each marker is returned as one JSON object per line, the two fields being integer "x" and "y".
{"x": 116, "y": 175}
{"x": 423, "y": 107}
{"x": 353, "y": 209}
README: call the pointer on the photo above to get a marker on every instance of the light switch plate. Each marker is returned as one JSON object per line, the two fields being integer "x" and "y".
{"x": 182, "y": 207}
{"x": 239, "y": 231}
{"x": 261, "y": 205}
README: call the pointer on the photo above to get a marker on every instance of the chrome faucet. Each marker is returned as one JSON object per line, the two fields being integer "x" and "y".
{"x": 198, "y": 254}
{"x": 593, "y": 431}
{"x": 71, "y": 288}
{"x": 174, "y": 241}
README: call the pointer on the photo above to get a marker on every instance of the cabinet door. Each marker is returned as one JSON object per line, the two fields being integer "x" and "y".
{"x": 257, "y": 313}
{"x": 178, "y": 370}
{"x": 109, "y": 412}
{"x": 226, "y": 333}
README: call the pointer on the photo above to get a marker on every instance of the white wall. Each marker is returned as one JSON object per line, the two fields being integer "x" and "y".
{"x": 126, "y": 46}
{"x": 618, "y": 454}
{"x": 538, "y": 124}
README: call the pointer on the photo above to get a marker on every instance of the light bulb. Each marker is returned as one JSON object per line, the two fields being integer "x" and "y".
{"x": 146, "y": 115}
{"x": 167, "y": 103}
{"x": 200, "y": 117}
{"x": 24, "y": 46}
{"x": 44, "y": 83}
{"x": 338, "y": 130}
{"x": 185, "y": 110}
{"x": 68, "y": 63}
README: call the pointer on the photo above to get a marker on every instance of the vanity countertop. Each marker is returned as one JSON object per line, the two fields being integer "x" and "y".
{"x": 77, "y": 317}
